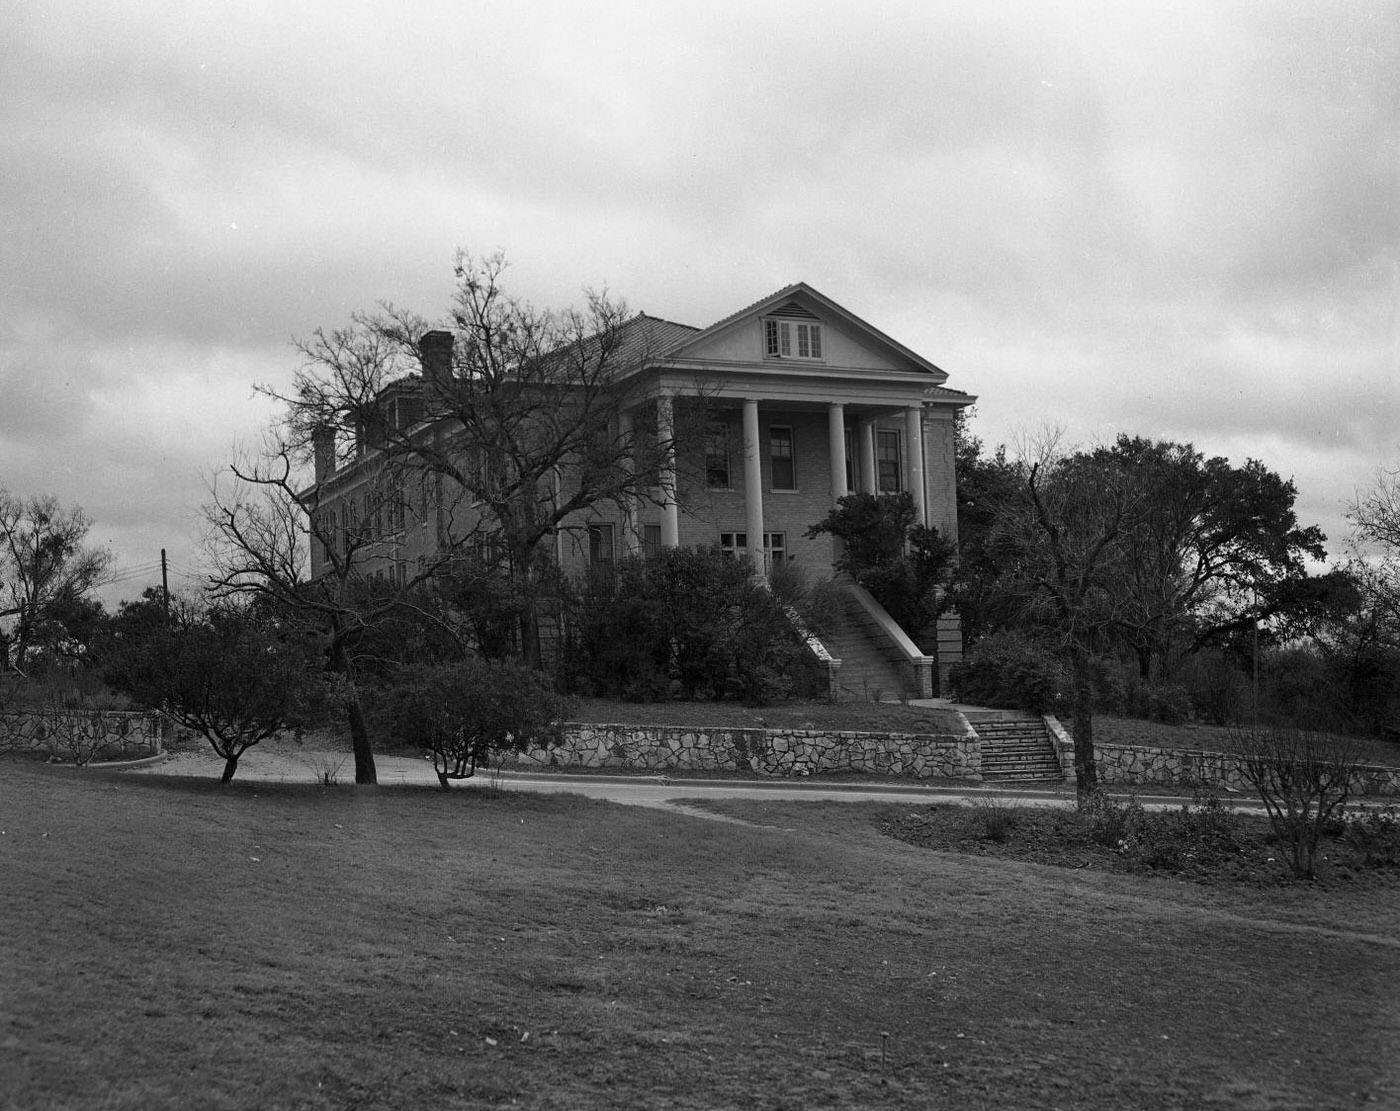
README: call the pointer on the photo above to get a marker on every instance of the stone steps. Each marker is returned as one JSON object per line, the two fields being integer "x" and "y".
{"x": 1017, "y": 749}
{"x": 867, "y": 674}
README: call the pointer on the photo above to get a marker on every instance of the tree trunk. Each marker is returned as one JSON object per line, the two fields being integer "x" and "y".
{"x": 1085, "y": 767}
{"x": 230, "y": 766}
{"x": 365, "y": 772}
{"x": 530, "y": 634}
{"x": 1144, "y": 661}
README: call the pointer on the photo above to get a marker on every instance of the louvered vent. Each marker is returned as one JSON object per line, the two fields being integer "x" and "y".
{"x": 793, "y": 309}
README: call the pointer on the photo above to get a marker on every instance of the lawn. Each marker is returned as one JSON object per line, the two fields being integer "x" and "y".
{"x": 168, "y": 943}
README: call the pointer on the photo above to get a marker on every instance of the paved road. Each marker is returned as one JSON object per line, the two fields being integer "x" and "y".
{"x": 287, "y": 764}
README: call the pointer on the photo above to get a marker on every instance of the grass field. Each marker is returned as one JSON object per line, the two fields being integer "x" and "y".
{"x": 170, "y": 944}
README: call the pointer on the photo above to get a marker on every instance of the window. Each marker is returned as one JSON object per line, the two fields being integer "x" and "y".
{"x": 774, "y": 548}
{"x": 600, "y": 544}
{"x": 780, "y": 454}
{"x": 850, "y": 460}
{"x": 791, "y": 339}
{"x": 717, "y": 455}
{"x": 651, "y": 540}
{"x": 887, "y": 462}
{"x": 737, "y": 543}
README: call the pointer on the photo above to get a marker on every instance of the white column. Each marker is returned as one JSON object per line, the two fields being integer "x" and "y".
{"x": 836, "y": 450}
{"x": 753, "y": 484}
{"x": 914, "y": 460}
{"x": 869, "y": 483}
{"x": 666, "y": 437}
{"x": 631, "y": 533}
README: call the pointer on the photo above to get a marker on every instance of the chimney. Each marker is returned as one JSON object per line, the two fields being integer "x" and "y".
{"x": 323, "y": 452}
{"x": 435, "y": 352}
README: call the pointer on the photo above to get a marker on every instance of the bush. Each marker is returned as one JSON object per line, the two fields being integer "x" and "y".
{"x": 1375, "y": 834}
{"x": 997, "y": 820}
{"x": 1110, "y": 823}
{"x": 694, "y": 618}
{"x": 1193, "y": 834}
{"x": 1008, "y": 670}
{"x": 1172, "y": 839}
{"x": 1304, "y": 778}
{"x": 465, "y": 713}
{"x": 902, "y": 563}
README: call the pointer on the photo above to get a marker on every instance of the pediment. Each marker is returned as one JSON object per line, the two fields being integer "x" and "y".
{"x": 799, "y": 330}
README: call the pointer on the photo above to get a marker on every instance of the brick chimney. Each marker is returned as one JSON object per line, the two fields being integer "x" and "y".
{"x": 323, "y": 452}
{"x": 435, "y": 352}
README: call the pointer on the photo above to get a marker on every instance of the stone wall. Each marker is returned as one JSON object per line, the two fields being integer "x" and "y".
{"x": 80, "y": 736}
{"x": 1125, "y": 765}
{"x": 775, "y": 752}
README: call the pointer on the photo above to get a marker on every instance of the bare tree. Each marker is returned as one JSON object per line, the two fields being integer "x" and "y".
{"x": 515, "y": 421}
{"x": 43, "y": 563}
{"x": 260, "y": 527}
{"x": 1304, "y": 778}
{"x": 1376, "y": 514}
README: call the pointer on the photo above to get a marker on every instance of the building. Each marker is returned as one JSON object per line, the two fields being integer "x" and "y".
{"x": 802, "y": 401}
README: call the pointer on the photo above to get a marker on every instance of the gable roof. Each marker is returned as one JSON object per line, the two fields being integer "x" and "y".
{"x": 778, "y": 302}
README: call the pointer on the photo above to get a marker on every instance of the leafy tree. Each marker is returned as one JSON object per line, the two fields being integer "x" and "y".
{"x": 903, "y": 564}
{"x": 230, "y": 674}
{"x": 45, "y": 568}
{"x": 1059, "y": 548}
{"x": 1214, "y": 548}
{"x": 987, "y": 484}
{"x": 465, "y": 713}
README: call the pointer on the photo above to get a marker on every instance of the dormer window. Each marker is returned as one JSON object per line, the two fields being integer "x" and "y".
{"x": 792, "y": 339}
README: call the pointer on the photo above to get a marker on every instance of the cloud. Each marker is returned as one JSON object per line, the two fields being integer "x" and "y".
{"x": 1174, "y": 219}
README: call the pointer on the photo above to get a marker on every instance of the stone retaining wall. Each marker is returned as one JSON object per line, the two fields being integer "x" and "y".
{"x": 1125, "y": 765}
{"x": 775, "y": 752}
{"x": 79, "y": 736}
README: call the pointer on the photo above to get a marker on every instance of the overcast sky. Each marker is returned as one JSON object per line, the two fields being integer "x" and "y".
{"x": 1173, "y": 219}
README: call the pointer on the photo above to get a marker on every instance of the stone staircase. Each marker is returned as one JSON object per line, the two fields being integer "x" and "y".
{"x": 1016, "y": 749}
{"x": 867, "y": 674}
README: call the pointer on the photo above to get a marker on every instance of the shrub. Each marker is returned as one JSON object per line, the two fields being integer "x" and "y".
{"x": 467, "y": 712}
{"x": 1192, "y": 834}
{"x": 694, "y": 617}
{"x": 1304, "y": 778}
{"x": 1375, "y": 834}
{"x": 1008, "y": 670}
{"x": 997, "y": 820}
{"x": 902, "y": 563}
{"x": 1172, "y": 839}
{"x": 1108, "y": 822}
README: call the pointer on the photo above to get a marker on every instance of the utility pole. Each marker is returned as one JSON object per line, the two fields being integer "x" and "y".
{"x": 164, "y": 585}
